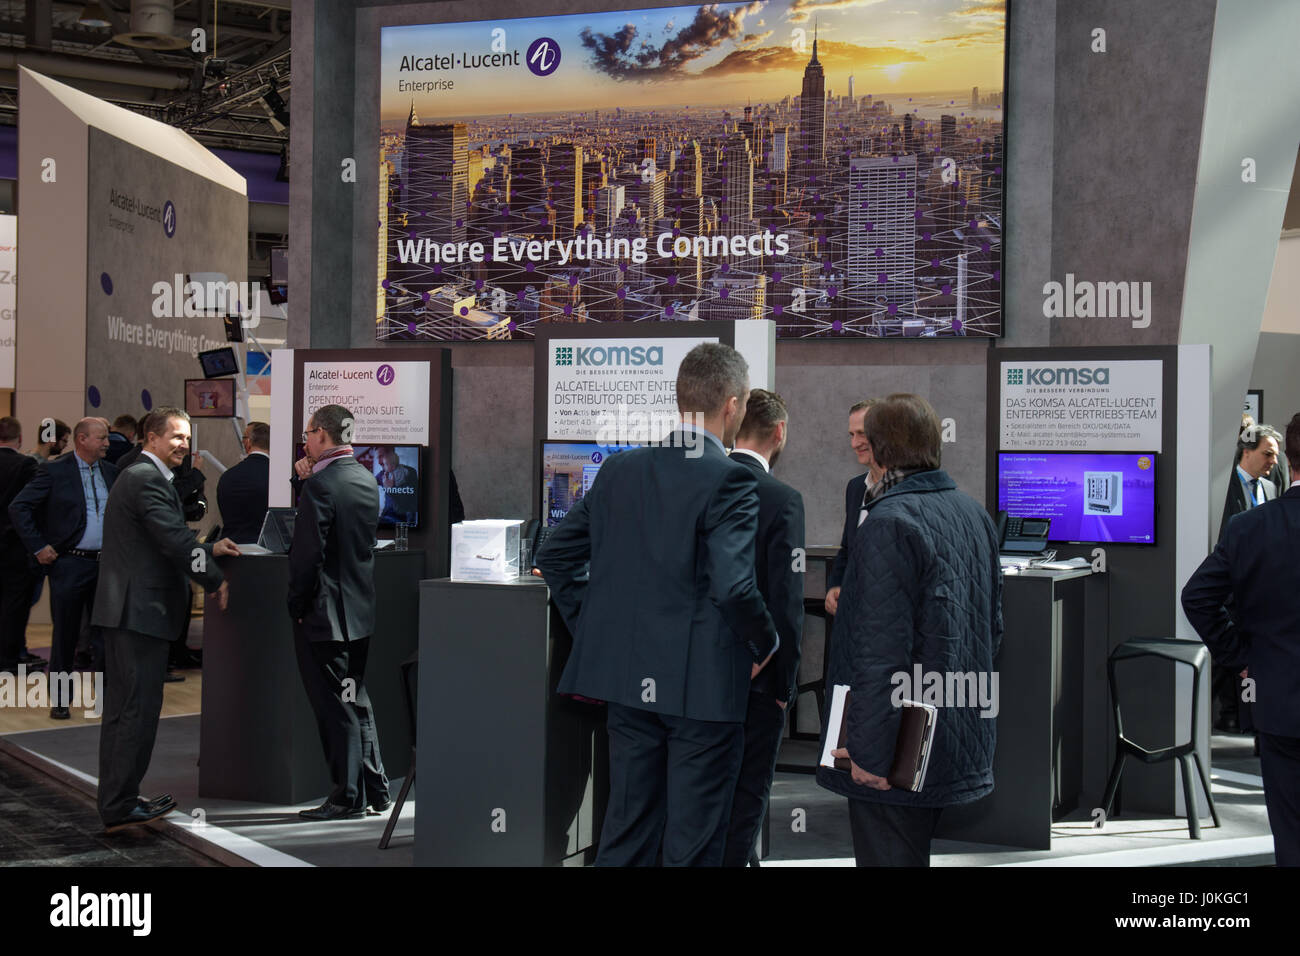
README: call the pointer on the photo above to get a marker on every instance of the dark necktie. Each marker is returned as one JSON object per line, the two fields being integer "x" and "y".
{"x": 94, "y": 491}
{"x": 1254, "y": 492}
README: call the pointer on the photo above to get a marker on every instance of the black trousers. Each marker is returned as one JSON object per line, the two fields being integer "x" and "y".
{"x": 885, "y": 834}
{"x": 72, "y": 595}
{"x": 671, "y": 782}
{"x": 1279, "y": 765}
{"x": 135, "y": 667}
{"x": 16, "y": 584}
{"x": 333, "y": 674}
{"x": 764, "y": 722}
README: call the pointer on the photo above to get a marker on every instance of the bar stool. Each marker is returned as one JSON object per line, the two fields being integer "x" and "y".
{"x": 1195, "y": 655}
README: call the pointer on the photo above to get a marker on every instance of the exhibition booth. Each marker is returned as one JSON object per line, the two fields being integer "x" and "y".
{"x": 501, "y": 287}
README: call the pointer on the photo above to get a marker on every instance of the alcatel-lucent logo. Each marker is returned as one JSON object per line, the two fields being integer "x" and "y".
{"x": 543, "y": 57}
{"x": 169, "y": 219}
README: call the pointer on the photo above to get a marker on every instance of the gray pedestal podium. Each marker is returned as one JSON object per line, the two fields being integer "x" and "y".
{"x": 1052, "y": 681}
{"x": 258, "y": 739}
{"x": 510, "y": 772}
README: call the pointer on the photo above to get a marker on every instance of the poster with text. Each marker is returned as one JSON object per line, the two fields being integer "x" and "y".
{"x": 614, "y": 391}
{"x": 731, "y": 161}
{"x": 389, "y": 401}
{"x": 1081, "y": 406}
{"x": 8, "y": 294}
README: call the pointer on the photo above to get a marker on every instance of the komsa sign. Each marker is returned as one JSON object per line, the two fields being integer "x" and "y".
{"x": 1062, "y": 376}
{"x": 597, "y": 356}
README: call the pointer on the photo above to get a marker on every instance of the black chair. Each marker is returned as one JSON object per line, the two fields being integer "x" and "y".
{"x": 1195, "y": 655}
{"x": 410, "y": 674}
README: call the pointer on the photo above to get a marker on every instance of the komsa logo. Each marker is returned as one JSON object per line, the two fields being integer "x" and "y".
{"x": 1067, "y": 376}
{"x": 599, "y": 355}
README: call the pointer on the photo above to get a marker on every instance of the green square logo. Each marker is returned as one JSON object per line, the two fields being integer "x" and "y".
{"x": 563, "y": 355}
{"x": 1015, "y": 376}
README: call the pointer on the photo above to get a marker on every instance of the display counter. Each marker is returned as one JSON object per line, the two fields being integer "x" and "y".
{"x": 258, "y": 736}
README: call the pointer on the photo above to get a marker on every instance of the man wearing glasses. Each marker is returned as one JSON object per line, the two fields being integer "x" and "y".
{"x": 332, "y": 605}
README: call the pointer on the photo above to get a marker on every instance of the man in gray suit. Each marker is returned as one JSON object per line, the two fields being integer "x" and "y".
{"x": 332, "y": 604}
{"x": 149, "y": 557}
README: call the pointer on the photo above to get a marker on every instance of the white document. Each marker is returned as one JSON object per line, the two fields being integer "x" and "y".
{"x": 833, "y": 725}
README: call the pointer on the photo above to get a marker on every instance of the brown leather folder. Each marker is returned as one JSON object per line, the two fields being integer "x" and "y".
{"x": 911, "y": 750}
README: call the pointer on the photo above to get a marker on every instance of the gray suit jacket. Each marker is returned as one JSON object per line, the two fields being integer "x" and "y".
{"x": 331, "y": 560}
{"x": 149, "y": 557}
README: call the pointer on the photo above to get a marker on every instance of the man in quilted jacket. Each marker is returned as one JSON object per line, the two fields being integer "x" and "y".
{"x": 922, "y": 596}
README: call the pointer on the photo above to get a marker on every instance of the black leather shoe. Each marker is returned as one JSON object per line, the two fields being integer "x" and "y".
{"x": 60, "y": 713}
{"x": 163, "y": 800}
{"x": 378, "y": 808}
{"x": 173, "y": 678}
{"x": 331, "y": 811}
{"x": 136, "y": 817}
{"x": 34, "y": 662}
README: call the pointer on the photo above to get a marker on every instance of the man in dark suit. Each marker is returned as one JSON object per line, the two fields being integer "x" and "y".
{"x": 60, "y": 518}
{"x": 670, "y": 627}
{"x": 1243, "y": 604}
{"x": 16, "y": 577}
{"x": 1249, "y": 487}
{"x": 779, "y": 572}
{"x": 855, "y": 496}
{"x": 148, "y": 560}
{"x": 242, "y": 490}
{"x": 121, "y": 438}
{"x": 332, "y": 604}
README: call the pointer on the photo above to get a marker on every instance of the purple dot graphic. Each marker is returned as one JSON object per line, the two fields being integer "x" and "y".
{"x": 831, "y": 291}
{"x": 925, "y": 236}
{"x": 997, "y": 275}
{"x": 146, "y": 400}
{"x": 946, "y": 288}
{"x": 520, "y": 295}
{"x": 424, "y": 297}
{"x": 528, "y": 266}
{"x": 777, "y": 310}
{"x": 880, "y": 252}
{"x": 464, "y": 310}
{"x": 935, "y": 263}
{"x": 386, "y": 284}
{"x": 573, "y": 280}
{"x": 837, "y": 326}
{"x": 92, "y": 396}
{"x": 511, "y": 325}
{"x": 883, "y": 277}
{"x": 726, "y": 267}
{"x": 478, "y": 284}
{"x": 622, "y": 293}
{"x": 437, "y": 269}
{"x": 622, "y": 267}
{"x": 776, "y": 277}
{"x": 106, "y": 283}
{"x": 867, "y": 226}
{"x": 568, "y": 310}
{"x": 668, "y": 310}
{"x": 410, "y": 327}
{"x": 893, "y": 310}
{"x": 460, "y": 222}
{"x": 672, "y": 280}
{"x": 723, "y": 292}
{"x": 956, "y": 325}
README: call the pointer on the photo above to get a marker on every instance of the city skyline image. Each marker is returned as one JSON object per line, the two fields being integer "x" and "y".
{"x": 834, "y": 167}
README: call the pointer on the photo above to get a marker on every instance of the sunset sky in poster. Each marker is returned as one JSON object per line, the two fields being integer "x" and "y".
{"x": 706, "y": 56}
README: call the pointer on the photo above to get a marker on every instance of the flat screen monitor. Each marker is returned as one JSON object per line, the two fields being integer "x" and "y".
{"x": 218, "y": 362}
{"x": 398, "y": 471}
{"x": 568, "y": 469}
{"x": 279, "y": 265}
{"x": 210, "y": 397}
{"x": 1091, "y": 497}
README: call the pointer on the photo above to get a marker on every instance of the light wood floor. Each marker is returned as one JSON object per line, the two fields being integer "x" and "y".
{"x": 180, "y": 698}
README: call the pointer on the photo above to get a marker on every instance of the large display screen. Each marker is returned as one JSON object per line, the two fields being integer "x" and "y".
{"x": 1091, "y": 497}
{"x": 568, "y": 469}
{"x": 842, "y": 177}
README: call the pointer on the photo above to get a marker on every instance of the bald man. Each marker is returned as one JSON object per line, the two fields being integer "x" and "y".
{"x": 60, "y": 518}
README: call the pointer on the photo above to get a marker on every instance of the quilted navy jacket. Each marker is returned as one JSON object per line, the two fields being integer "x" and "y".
{"x": 922, "y": 586}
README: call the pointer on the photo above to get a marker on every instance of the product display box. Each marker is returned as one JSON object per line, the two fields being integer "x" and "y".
{"x": 486, "y": 550}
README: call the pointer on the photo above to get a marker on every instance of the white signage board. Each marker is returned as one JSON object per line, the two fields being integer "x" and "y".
{"x": 8, "y": 296}
{"x": 388, "y": 400}
{"x": 1081, "y": 406}
{"x": 614, "y": 390}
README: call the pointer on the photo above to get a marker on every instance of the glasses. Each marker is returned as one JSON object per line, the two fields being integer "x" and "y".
{"x": 318, "y": 428}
